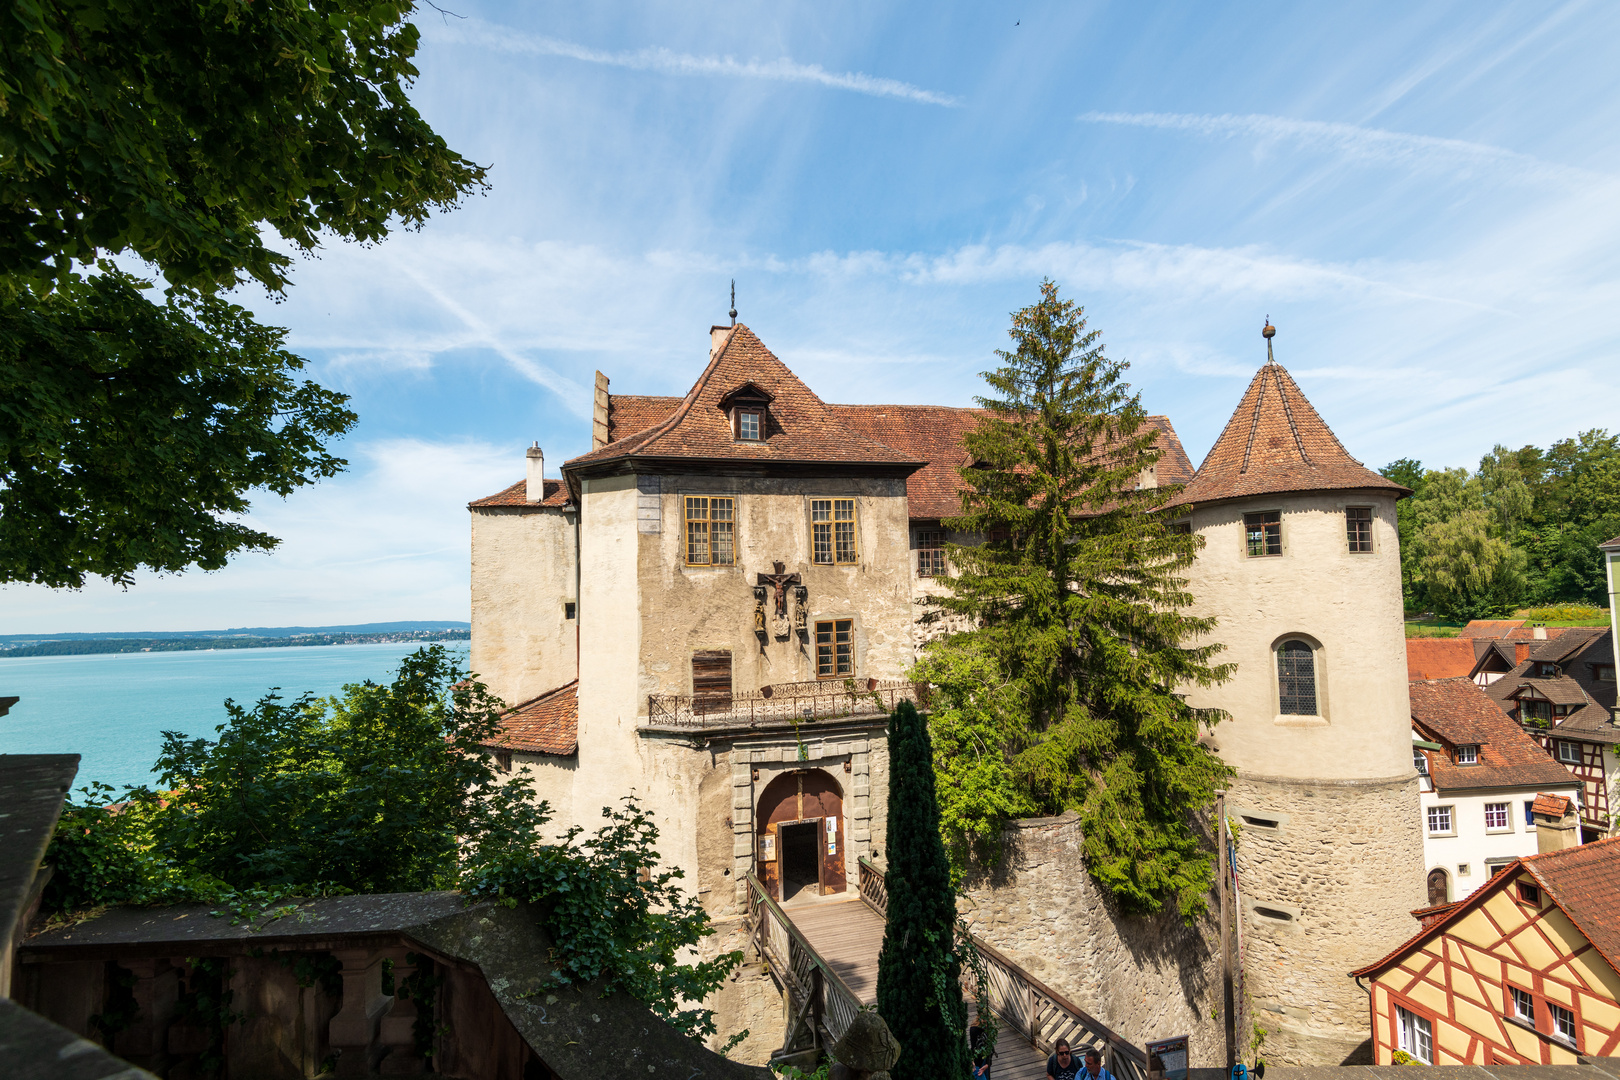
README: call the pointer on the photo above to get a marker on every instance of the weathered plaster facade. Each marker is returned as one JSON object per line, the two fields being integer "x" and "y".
{"x": 523, "y": 577}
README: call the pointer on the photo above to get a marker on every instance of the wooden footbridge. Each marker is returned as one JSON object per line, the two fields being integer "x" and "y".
{"x": 825, "y": 958}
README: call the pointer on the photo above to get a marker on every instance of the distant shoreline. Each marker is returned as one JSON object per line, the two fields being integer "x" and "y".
{"x": 88, "y": 646}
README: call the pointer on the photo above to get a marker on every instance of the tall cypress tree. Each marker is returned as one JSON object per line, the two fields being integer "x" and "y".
{"x": 1063, "y": 695}
{"x": 919, "y": 992}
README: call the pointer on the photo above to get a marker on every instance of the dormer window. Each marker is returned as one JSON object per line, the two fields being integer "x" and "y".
{"x": 750, "y": 424}
{"x": 1468, "y": 754}
{"x": 749, "y": 407}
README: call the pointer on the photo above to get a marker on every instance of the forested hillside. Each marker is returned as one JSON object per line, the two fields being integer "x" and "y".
{"x": 1522, "y": 528}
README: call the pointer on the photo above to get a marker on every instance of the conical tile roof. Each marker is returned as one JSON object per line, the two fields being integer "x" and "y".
{"x": 801, "y": 427}
{"x": 1276, "y": 442}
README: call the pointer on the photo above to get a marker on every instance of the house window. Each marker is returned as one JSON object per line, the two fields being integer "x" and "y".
{"x": 1569, "y": 752}
{"x": 1263, "y": 532}
{"x": 711, "y": 681}
{"x": 1420, "y": 762}
{"x": 1496, "y": 815}
{"x": 1524, "y": 1005}
{"x": 1563, "y": 1022}
{"x": 1603, "y": 672}
{"x": 1546, "y": 671}
{"x": 835, "y": 648}
{"x": 1530, "y": 812}
{"x": 750, "y": 424}
{"x": 1416, "y": 1035}
{"x": 1439, "y": 820}
{"x": 1536, "y": 711}
{"x": 1530, "y": 894}
{"x": 930, "y": 553}
{"x": 503, "y": 760}
{"x": 1468, "y": 754}
{"x": 832, "y": 530}
{"x": 710, "y": 535}
{"x": 570, "y": 609}
{"x": 1358, "y": 528}
{"x": 1296, "y": 679}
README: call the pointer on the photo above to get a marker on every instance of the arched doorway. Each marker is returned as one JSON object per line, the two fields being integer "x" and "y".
{"x": 1438, "y": 891}
{"x": 800, "y": 837}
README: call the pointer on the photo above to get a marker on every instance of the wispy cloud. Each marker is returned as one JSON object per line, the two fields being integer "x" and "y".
{"x": 668, "y": 62}
{"x": 1360, "y": 144}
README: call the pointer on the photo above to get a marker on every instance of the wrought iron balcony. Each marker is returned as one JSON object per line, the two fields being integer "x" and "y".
{"x": 783, "y": 704}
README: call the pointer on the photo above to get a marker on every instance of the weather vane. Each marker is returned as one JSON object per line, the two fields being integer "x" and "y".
{"x": 1268, "y": 333}
{"x": 734, "y": 302}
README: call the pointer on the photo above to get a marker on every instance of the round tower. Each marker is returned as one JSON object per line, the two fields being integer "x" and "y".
{"x": 1301, "y": 568}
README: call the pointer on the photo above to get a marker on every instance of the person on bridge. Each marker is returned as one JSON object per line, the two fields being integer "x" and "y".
{"x": 1094, "y": 1069}
{"x": 1062, "y": 1065}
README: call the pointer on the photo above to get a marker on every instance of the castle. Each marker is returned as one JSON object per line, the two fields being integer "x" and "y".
{"x": 715, "y": 608}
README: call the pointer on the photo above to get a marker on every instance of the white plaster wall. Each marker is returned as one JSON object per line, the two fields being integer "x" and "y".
{"x": 552, "y": 779}
{"x": 1349, "y": 603}
{"x": 522, "y": 574}
{"x": 1471, "y": 844}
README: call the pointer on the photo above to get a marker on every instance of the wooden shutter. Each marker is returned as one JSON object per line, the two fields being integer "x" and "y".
{"x": 711, "y": 681}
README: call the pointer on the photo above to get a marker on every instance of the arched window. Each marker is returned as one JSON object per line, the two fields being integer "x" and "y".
{"x": 1296, "y": 679}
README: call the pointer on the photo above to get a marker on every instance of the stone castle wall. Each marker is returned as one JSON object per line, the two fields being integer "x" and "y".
{"x": 1146, "y": 978}
{"x": 1327, "y": 888}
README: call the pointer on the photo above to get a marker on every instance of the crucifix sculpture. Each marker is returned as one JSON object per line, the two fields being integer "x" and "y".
{"x": 778, "y": 582}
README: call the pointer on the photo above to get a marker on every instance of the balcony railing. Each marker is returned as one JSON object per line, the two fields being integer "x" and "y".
{"x": 784, "y": 703}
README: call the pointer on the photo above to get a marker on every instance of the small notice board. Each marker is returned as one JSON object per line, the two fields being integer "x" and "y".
{"x": 1167, "y": 1058}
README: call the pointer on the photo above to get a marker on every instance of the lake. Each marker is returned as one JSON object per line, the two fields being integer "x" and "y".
{"x": 113, "y": 708}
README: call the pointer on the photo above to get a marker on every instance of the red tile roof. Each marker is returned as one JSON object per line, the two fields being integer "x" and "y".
{"x": 1489, "y": 628}
{"x": 630, "y": 413}
{"x": 1583, "y": 881}
{"x": 517, "y": 495}
{"x": 548, "y": 724}
{"x": 1438, "y": 658}
{"x": 1455, "y": 712}
{"x": 1610, "y": 544}
{"x": 800, "y": 426}
{"x": 1551, "y": 805}
{"x": 1276, "y": 442}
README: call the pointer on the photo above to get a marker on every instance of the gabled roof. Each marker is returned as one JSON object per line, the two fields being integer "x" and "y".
{"x": 1455, "y": 712}
{"x": 548, "y": 724}
{"x": 1276, "y": 442}
{"x": 801, "y": 427}
{"x": 1610, "y": 545}
{"x": 1584, "y": 882}
{"x": 1438, "y": 658}
{"x": 518, "y": 495}
{"x": 1489, "y": 628}
{"x": 1555, "y": 806}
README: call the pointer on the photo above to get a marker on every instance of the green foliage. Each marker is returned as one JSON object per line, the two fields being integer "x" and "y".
{"x": 177, "y": 129}
{"x": 919, "y": 971}
{"x": 130, "y": 432}
{"x": 1570, "y": 613}
{"x": 1064, "y": 695}
{"x": 386, "y": 789}
{"x": 1524, "y": 527}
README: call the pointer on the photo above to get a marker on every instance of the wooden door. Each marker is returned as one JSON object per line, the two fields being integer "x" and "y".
{"x": 832, "y": 840}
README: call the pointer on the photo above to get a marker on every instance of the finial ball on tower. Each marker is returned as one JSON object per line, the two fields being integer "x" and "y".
{"x": 1270, "y": 331}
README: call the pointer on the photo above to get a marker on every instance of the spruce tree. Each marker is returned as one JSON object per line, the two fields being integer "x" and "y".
{"x": 919, "y": 993}
{"x": 1064, "y": 694}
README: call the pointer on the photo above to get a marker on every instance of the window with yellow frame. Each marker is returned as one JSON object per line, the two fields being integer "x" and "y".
{"x": 711, "y": 538}
{"x": 832, "y": 531}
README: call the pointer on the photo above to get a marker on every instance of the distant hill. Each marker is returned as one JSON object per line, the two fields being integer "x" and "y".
{"x": 20, "y": 645}
{"x": 244, "y": 631}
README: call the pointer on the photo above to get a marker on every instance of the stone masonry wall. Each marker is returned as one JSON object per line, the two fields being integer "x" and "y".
{"x": 1146, "y": 978}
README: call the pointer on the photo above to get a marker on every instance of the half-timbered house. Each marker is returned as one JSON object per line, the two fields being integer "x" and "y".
{"x": 1524, "y": 971}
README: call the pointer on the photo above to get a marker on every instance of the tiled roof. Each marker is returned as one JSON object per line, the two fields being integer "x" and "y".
{"x": 1610, "y": 544}
{"x": 1551, "y": 805}
{"x": 1455, "y": 712}
{"x": 1558, "y": 689}
{"x": 1438, "y": 658}
{"x": 1489, "y": 628}
{"x": 1277, "y": 442}
{"x": 630, "y": 413}
{"x": 517, "y": 495}
{"x": 1569, "y": 641}
{"x": 800, "y": 427}
{"x": 548, "y": 724}
{"x": 1583, "y": 881}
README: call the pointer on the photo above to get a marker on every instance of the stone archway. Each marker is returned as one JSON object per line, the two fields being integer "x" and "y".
{"x": 800, "y": 834}
{"x": 1439, "y": 886}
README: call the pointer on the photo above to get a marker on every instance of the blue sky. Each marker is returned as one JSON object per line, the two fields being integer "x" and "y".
{"x": 1424, "y": 198}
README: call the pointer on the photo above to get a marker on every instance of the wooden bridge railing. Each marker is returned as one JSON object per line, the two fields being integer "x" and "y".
{"x": 1021, "y": 1001}
{"x": 820, "y": 1005}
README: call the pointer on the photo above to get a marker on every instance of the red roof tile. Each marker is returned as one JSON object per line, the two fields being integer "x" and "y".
{"x": 632, "y": 413}
{"x": 1551, "y": 805}
{"x": 548, "y": 724}
{"x": 800, "y": 427}
{"x": 1276, "y": 442}
{"x": 518, "y": 495}
{"x": 1583, "y": 881}
{"x": 1455, "y": 712}
{"x": 1489, "y": 628}
{"x": 1438, "y": 658}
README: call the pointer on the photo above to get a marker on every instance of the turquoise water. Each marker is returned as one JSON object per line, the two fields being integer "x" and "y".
{"x": 113, "y": 709}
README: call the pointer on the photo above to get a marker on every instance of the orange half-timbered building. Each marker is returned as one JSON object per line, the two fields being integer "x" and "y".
{"x": 1524, "y": 971}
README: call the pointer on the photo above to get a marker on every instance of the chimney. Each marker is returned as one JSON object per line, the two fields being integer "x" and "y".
{"x": 1558, "y": 824}
{"x": 1539, "y": 633}
{"x": 599, "y": 413}
{"x": 717, "y": 338}
{"x": 536, "y": 489}
{"x": 1521, "y": 652}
